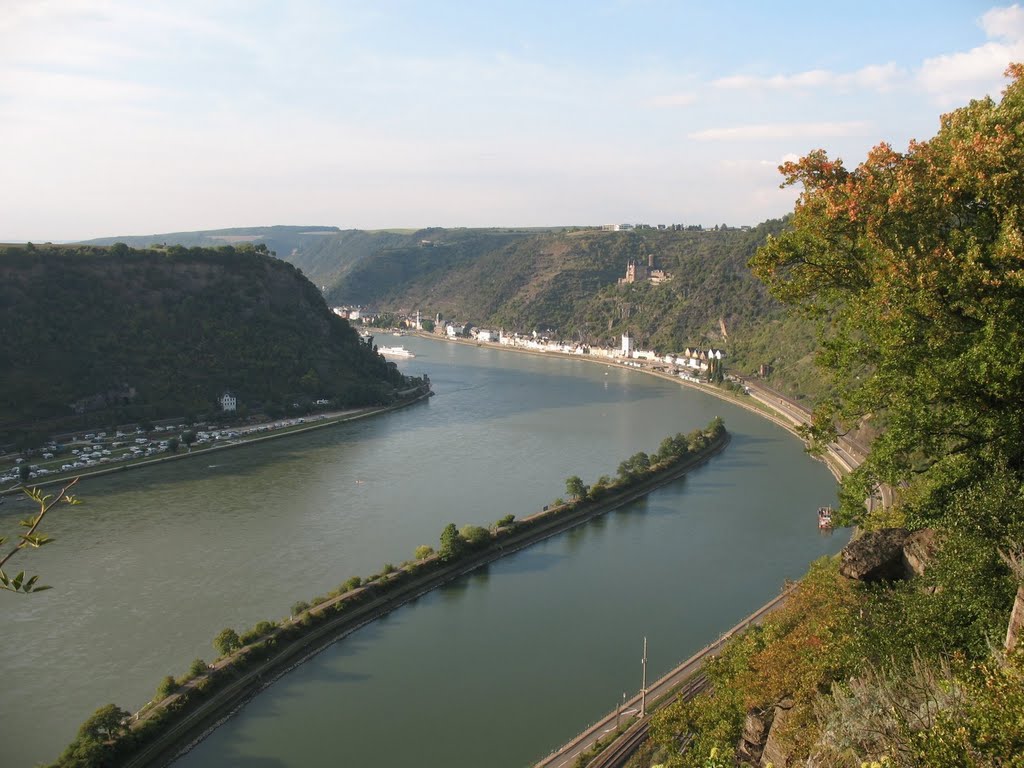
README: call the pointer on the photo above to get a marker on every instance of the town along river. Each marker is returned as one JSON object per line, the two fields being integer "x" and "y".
{"x": 493, "y": 670}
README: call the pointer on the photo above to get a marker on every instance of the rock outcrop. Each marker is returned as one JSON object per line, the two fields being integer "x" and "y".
{"x": 755, "y": 734}
{"x": 875, "y": 556}
{"x": 776, "y": 751}
{"x": 1015, "y": 630}
{"x": 918, "y": 550}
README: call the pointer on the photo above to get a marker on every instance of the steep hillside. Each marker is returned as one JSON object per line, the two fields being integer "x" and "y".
{"x": 102, "y": 335}
{"x": 566, "y": 282}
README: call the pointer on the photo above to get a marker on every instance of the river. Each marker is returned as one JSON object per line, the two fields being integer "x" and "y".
{"x": 493, "y": 670}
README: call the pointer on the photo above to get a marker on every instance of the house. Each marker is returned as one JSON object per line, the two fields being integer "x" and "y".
{"x": 228, "y": 402}
{"x": 483, "y": 335}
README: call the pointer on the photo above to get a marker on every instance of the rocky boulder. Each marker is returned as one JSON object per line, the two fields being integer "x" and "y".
{"x": 776, "y": 751}
{"x": 755, "y": 733}
{"x": 918, "y": 550}
{"x": 875, "y": 556}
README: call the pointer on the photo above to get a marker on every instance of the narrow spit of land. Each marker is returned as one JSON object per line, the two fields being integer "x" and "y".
{"x": 167, "y": 727}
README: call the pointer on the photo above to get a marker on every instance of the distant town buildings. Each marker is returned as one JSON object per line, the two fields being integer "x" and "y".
{"x": 228, "y": 402}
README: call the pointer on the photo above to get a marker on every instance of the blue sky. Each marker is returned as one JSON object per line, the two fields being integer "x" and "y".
{"x": 143, "y": 116}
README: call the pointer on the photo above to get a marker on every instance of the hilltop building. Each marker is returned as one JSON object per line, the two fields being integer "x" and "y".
{"x": 636, "y": 272}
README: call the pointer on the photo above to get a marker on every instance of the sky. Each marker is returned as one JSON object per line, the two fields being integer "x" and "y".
{"x": 122, "y": 117}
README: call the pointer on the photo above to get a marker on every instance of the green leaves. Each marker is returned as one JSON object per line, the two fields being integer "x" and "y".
{"x": 20, "y": 584}
{"x": 34, "y": 538}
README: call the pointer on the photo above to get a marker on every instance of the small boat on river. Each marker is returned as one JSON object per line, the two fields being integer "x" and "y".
{"x": 825, "y": 518}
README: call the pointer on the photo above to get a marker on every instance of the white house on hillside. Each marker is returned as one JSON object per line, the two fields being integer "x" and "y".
{"x": 228, "y": 402}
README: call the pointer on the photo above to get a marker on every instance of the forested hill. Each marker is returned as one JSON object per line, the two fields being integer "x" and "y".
{"x": 108, "y": 335}
{"x": 563, "y": 280}
{"x": 566, "y": 282}
{"x": 324, "y": 254}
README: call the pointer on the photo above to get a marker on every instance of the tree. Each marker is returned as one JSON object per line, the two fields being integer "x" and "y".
{"x": 188, "y": 437}
{"x": 226, "y": 641}
{"x": 911, "y": 264}
{"x": 24, "y": 473}
{"x": 423, "y": 551}
{"x": 197, "y": 667}
{"x": 452, "y": 544}
{"x": 33, "y": 538}
{"x": 106, "y": 723}
{"x": 172, "y": 445}
{"x": 575, "y": 487}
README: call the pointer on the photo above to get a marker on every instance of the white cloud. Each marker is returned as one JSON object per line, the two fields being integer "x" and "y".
{"x": 1005, "y": 23}
{"x": 783, "y": 131}
{"x": 955, "y": 77}
{"x": 879, "y": 77}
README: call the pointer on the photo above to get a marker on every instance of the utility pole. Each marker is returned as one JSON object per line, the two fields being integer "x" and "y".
{"x": 643, "y": 685}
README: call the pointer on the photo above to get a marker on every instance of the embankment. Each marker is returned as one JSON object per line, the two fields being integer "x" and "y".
{"x": 329, "y": 421}
{"x": 163, "y": 731}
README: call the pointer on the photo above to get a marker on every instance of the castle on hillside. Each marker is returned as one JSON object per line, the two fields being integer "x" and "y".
{"x": 637, "y": 272}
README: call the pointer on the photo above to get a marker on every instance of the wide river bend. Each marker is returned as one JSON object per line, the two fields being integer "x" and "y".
{"x": 494, "y": 670}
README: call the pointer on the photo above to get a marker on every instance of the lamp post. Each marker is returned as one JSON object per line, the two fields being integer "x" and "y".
{"x": 643, "y": 684}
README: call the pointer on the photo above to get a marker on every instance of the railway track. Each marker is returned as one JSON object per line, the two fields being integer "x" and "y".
{"x": 624, "y": 747}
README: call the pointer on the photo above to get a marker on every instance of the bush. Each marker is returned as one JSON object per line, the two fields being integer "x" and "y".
{"x": 505, "y": 521}
{"x": 300, "y": 606}
{"x": 262, "y": 629}
{"x": 423, "y": 551}
{"x": 197, "y": 668}
{"x": 167, "y": 686}
{"x": 475, "y": 536}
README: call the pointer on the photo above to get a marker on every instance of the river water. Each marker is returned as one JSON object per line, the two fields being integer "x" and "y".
{"x": 494, "y": 670}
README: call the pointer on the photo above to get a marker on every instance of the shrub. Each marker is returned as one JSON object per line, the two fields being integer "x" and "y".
{"x": 423, "y": 551}
{"x": 167, "y": 686}
{"x": 299, "y": 607}
{"x": 197, "y": 668}
{"x": 475, "y": 536}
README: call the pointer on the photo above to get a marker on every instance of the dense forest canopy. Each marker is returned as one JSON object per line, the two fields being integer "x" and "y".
{"x": 913, "y": 263}
{"x": 108, "y": 335}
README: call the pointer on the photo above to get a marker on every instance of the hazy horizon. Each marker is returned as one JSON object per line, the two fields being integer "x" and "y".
{"x": 123, "y": 116}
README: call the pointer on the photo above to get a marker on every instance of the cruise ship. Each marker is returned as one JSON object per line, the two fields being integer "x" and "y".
{"x": 395, "y": 352}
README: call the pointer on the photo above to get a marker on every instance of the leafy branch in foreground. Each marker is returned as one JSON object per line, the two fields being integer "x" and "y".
{"x": 33, "y": 538}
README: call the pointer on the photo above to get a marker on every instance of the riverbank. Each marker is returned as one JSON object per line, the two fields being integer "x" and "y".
{"x": 838, "y": 459}
{"x": 241, "y": 442}
{"x": 204, "y": 701}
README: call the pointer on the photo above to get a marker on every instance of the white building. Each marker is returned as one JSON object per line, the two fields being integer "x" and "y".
{"x": 483, "y": 335}
{"x": 627, "y": 345}
{"x": 228, "y": 402}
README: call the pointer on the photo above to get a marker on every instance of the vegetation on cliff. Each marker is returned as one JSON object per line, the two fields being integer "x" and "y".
{"x": 911, "y": 264}
{"x": 103, "y": 336}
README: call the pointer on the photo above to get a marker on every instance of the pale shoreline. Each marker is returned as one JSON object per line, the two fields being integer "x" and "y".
{"x": 342, "y": 417}
{"x": 836, "y": 465}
